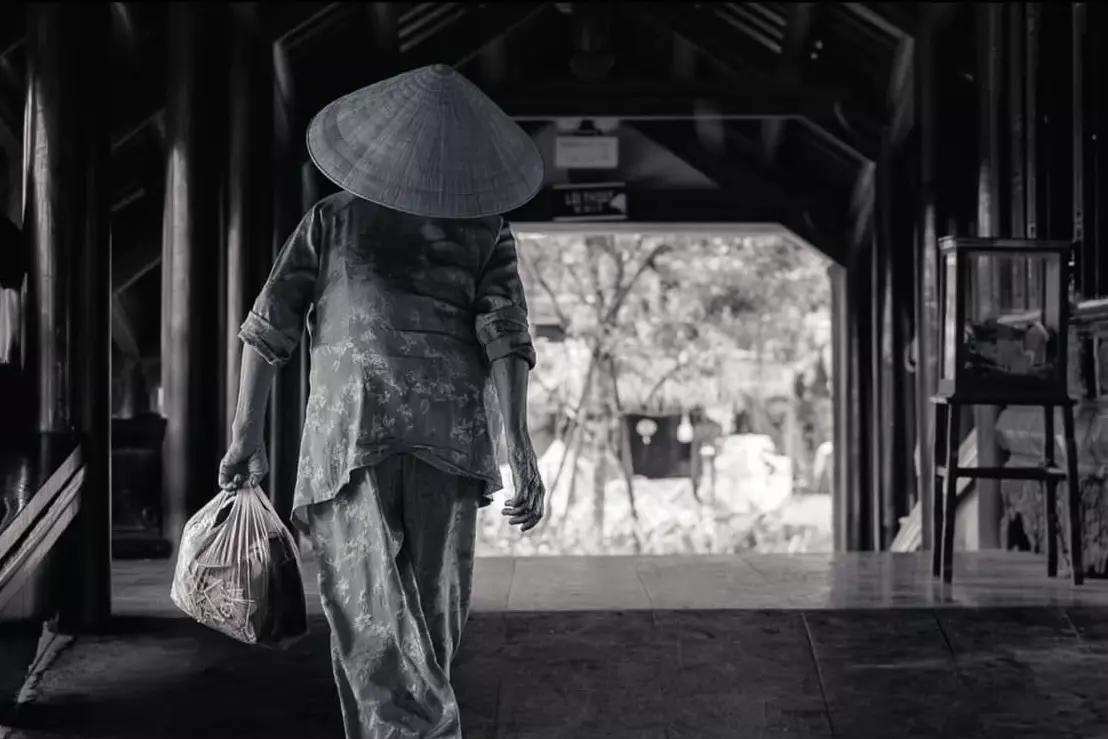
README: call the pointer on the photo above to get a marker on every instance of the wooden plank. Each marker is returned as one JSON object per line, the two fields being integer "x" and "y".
{"x": 18, "y": 527}
{"x": 1004, "y": 473}
{"x": 21, "y": 565}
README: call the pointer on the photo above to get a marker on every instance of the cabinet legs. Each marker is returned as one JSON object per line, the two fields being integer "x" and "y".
{"x": 945, "y": 493}
{"x": 945, "y": 496}
{"x": 1050, "y": 497}
{"x": 938, "y": 457}
{"x": 1073, "y": 498}
{"x": 950, "y": 483}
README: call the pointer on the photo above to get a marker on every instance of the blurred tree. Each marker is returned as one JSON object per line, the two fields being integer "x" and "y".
{"x": 656, "y": 309}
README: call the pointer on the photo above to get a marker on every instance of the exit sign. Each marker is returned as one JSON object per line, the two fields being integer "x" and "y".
{"x": 592, "y": 201}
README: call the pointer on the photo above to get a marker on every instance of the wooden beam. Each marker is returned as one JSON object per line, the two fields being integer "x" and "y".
{"x": 297, "y": 23}
{"x": 798, "y": 210}
{"x": 384, "y": 31}
{"x": 123, "y": 332}
{"x": 494, "y": 63}
{"x": 13, "y": 28}
{"x": 708, "y": 33}
{"x": 862, "y": 202}
{"x": 683, "y": 65}
{"x": 717, "y": 42}
{"x": 662, "y": 209}
{"x": 482, "y": 24}
{"x": 893, "y": 19}
{"x": 654, "y": 100}
{"x": 12, "y": 93}
{"x": 123, "y": 27}
{"x": 129, "y": 266}
{"x": 792, "y": 57}
{"x": 900, "y": 95}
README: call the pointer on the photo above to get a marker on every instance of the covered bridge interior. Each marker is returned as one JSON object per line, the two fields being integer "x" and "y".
{"x": 149, "y": 188}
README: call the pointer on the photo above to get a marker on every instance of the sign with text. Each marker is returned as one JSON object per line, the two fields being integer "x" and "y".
{"x": 591, "y": 201}
{"x": 586, "y": 152}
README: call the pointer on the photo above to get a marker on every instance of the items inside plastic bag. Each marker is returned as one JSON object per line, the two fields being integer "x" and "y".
{"x": 238, "y": 571}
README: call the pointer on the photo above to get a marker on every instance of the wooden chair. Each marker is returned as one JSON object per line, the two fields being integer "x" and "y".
{"x": 945, "y": 498}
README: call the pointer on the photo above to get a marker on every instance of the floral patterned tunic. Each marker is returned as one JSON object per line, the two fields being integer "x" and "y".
{"x": 405, "y": 314}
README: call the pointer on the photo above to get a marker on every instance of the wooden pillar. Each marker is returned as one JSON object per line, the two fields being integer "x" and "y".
{"x": 191, "y": 259}
{"x": 990, "y": 221}
{"x": 286, "y": 401}
{"x": 841, "y": 409}
{"x": 857, "y": 459}
{"x": 894, "y": 216}
{"x": 248, "y": 225}
{"x": 879, "y": 378}
{"x": 1054, "y": 162}
{"x": 66, "y": 220}
{"x": 927, "y": 288}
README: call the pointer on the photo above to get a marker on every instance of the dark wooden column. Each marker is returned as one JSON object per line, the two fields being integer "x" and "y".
{"x": 286, "y": 402}
{"x": 66, "y": 219}
{"x": 879, "y": 379}
{"x": 992, "y": 140}
{"x": 857, "y": 458}
{"x": 926, "y": 265}
{"x": 248, "y": 225}
{"x": 191, "y": 373}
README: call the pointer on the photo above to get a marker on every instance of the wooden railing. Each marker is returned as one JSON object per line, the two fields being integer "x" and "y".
{"x": 40, "y": 486}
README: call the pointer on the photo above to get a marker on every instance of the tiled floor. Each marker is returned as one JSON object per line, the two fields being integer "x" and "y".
{"x": 785, "y": 646}
{"x": 776, "y": 581}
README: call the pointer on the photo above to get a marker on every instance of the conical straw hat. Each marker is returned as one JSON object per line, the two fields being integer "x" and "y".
{"x": 426, "y": 142}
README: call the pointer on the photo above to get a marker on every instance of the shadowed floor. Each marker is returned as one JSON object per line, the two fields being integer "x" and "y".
{"x": 935, "y": 669}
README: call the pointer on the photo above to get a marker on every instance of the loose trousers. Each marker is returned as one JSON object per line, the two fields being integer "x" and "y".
{"x": 395, "y": 551}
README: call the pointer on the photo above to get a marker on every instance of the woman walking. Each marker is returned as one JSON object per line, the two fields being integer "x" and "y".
{"x": 420, "y": 352}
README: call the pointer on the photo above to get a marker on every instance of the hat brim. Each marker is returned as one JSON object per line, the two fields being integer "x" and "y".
{"x": 431, "y": 145}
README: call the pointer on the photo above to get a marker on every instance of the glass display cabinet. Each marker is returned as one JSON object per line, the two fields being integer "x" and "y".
{"x": 1003, "y": 336}
{"x": 1003, "y": 340}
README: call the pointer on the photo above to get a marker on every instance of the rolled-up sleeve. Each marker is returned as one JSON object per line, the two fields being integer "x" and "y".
{"x": 501, "y": 306}
{"x": 276, "y": 322}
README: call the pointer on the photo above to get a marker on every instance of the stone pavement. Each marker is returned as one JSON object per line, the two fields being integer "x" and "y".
{"x": 1031, "y": 670}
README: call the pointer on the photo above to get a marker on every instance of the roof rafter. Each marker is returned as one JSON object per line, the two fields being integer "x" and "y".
{"x": 808, "y": 218}
{"x": 797, "y": 31}
{"x": 653, "y": 99}
{"x": 717, "y": 43}
{"x": 900, "y": 95}
{"x": 482, "y": 24}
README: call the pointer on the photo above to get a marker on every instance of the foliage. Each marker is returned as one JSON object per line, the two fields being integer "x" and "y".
{"x": 654, "y": 311}
{"x": 676, "y": 306}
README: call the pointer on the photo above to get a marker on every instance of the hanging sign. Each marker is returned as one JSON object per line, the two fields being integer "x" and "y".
{"x": 586, "y": 152}
{"x": 590, "y": 201}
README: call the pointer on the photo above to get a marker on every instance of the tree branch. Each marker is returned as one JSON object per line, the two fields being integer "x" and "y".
{"x": 625, "y": 460}
{"x": 625, "y": 289}
{"x": 546, "y": 288}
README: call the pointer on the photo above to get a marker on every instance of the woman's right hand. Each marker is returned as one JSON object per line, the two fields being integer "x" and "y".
{"x": 243, "y": 466}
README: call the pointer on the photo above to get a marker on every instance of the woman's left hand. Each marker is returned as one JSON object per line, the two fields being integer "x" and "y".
{"x": 526, "y": 508}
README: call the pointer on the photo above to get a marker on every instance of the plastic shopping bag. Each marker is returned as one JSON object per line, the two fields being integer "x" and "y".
{"x": 238, "y": 571}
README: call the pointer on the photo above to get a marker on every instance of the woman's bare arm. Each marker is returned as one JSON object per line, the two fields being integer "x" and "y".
{"x": 526, "y": 509}
{"x": 255, "y": 382}
{"x": 509, "y": 375}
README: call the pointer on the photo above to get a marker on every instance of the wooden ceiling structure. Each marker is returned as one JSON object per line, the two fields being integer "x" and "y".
{"x": 809, "y": 92}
